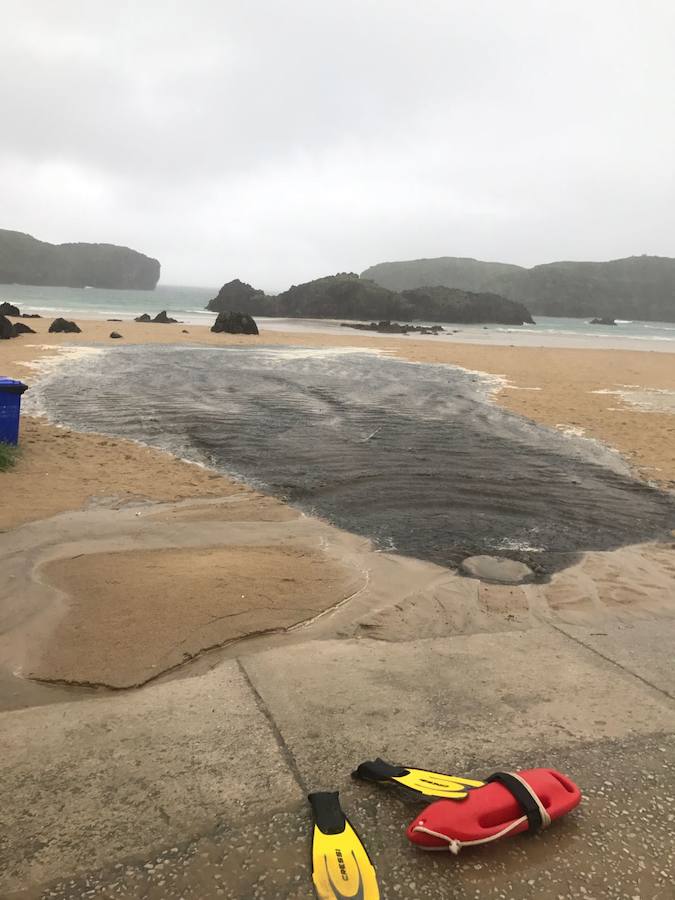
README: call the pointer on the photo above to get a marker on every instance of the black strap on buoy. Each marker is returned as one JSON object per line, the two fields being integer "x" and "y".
{"x": 523, "y": 797}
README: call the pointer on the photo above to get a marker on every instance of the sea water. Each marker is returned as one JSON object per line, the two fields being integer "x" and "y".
{"x": 188, "y": 304}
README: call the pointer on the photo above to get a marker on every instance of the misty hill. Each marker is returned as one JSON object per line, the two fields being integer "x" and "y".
{"x": 443, "y": 304}
{"x": 638, "y": 287}
{"x": 25, "y": 260}
{"x": 346, "y": 296}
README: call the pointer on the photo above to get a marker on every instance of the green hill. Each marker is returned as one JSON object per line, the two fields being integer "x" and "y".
{"x": 638, "y": 287}
{"x": 25, "y": 260}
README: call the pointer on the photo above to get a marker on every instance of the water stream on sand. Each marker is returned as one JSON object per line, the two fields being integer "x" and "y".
{"x": 415, "y": 457}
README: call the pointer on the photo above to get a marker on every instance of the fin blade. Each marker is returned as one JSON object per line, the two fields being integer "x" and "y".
{"x": 420, "y": 782}
{"x": 341, "y": 867}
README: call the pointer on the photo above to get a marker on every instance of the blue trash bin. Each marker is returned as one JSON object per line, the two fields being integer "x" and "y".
{"x": 10, "y": 407}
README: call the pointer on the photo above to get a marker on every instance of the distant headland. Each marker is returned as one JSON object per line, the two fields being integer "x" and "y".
{"x": 26, "y": 260}
{"x": 346, "y": 296}
{"x": 637, "y": 287}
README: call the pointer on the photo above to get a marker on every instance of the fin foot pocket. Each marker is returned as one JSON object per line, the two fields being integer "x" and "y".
{"x": 341, "y": 867}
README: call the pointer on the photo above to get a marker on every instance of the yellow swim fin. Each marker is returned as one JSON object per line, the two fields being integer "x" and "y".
{"x": 418, "y": 782}
{"x": 341, "y": 868}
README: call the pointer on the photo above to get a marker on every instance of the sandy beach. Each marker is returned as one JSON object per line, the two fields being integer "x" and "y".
{"x": 127, "y": 567}
{"x": 62, "y": 471}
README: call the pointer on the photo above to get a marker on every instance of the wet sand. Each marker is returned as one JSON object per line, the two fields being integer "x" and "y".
{"x": 61, "y": 471}
{"x": 157, "y": 609}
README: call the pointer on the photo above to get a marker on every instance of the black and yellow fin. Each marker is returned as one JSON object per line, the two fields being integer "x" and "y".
{"x": 341, "y": 868}
{"x": 418, "y": 782}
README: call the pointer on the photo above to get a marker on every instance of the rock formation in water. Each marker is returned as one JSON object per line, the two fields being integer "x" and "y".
{"x": 8, "y": 309}
{"x": 602, "y": 321}
{"x": 235, "y": 323}
{"x": 60, "y": 325}
{"x": 346, "y": 296}
{"x": 25, "y": 260}
{"x": 638, "y": 287}
{"x": 237, "y": 295}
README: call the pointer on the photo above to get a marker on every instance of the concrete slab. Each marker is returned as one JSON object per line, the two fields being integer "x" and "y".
{"x": 616, "y": 846}
{"x": 89, "y": 782}
{"x": 644, "y": 648}
{"x": 445, "y": 702}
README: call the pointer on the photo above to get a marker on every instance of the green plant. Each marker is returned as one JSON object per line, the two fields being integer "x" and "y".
{"x": 8, "y": 456}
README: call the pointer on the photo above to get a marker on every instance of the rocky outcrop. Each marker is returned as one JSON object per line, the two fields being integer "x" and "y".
{"x": 8, "y": 309}
{"x": 115, "y": 334}
{"x": 235, "y": 323}
{"x": 602, "y": 321}
{"x": 237, "y": 295}
{"x": 26, "y": 260}
{"x": 346, "y": 296}
{"x": 6, "y": 329}
{"x": 161, "y": 318}
{"x": 60, "y": 326}
{"x": 10, "y": 330}
{"x": 387, "y": 327}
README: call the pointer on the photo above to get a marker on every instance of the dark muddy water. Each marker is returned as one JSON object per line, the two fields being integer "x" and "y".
{"x": 412, "y": 456}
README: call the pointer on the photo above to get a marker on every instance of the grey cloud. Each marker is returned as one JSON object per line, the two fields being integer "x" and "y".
{"x": 280, "y": 141}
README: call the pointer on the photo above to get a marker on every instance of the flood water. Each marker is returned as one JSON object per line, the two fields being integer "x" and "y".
{"x": 415, "y": 457}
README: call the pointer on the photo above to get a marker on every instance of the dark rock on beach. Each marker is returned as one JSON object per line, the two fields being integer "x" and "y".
{"x": 6, "y": 329}
{"x": 163, "y": 319}
{"x": 9, "y": 330}
{"x": 113, "y": 320}
{"x": 31, "y": 316}
{"x": 387, "y": 327}
{"x": 60, "y": 325}
{"x": 8, "y": 309}
{"x": 235, "y": 323}
{"x": 115, "y": 334}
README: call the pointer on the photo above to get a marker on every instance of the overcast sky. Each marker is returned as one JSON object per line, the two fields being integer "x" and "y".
{"x": 279, "y": 140}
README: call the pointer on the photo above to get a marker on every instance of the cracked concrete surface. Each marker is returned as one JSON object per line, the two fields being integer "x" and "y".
{"x": 195, "y": 786}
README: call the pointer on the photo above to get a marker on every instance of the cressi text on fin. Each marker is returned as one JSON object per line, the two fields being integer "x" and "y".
{"x": 341, "y": 868}
{"x": 418, "y": 782}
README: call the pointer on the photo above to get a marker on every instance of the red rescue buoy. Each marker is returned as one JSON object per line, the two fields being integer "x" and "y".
{"x": 508, "y": 804}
